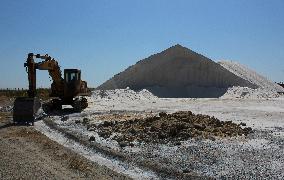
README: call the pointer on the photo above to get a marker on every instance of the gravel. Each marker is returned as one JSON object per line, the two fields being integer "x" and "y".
{"x": 27, "y": 154}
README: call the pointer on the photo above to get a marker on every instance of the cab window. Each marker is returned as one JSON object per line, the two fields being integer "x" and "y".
{"x": 72, "y": 76}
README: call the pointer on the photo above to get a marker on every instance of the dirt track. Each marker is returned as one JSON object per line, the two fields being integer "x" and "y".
{"x": 27, "y": 154}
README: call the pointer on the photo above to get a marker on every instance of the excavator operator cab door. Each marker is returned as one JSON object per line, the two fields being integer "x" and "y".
{"x": 72, "y": 79}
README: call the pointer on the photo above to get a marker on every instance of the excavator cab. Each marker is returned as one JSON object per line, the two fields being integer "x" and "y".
{"x": 72, "y": 75}
{"x": 74, "y": 87}
{"x": 72, "y": 83}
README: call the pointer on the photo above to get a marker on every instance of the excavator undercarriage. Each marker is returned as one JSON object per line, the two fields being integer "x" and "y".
{"x": 78, "y": 104}
{"x": 67, "y": 90}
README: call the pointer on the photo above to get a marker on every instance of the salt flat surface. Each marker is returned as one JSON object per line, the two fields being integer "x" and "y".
{"x": 257, "y": 113}
{"x": 260, "y": 155}
{"x": 258, "y": 110}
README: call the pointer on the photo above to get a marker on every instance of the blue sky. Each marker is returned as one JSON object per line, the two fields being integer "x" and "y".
{"x": 104, "y": 37}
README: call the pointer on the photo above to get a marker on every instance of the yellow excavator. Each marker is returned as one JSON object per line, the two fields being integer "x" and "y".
{"x": 67, "y": 90}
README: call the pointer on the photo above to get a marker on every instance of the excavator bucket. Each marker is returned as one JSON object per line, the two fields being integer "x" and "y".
{"x": 25, "y": 110}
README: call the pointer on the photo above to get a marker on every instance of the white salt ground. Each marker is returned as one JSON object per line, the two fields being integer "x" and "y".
{"x": 123, "y": 94}
{"x": 262, "y": 114}
{"x": 258, "y": 112}
{"x": 131, "y": 171}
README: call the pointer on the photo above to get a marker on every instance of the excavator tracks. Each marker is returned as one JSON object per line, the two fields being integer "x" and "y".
{"x": 80, "y": 104}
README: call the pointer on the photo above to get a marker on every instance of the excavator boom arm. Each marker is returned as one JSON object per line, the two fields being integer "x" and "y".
{"x": 52, "y": 66}
{"x": 49, "y": 64}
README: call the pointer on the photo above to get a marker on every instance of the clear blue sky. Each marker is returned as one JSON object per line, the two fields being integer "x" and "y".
{"x": 104, "y": 37}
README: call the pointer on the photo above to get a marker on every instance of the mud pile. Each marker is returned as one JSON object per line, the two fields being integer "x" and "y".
{"x": 174, "y": 128}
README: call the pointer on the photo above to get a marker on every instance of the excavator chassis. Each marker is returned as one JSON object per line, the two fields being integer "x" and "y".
{"x": 78, "y": 104}
{"x": 25, "y": 110}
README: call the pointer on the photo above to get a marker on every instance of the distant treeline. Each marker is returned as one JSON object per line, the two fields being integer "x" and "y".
{"x": 91, "y": 89}
{"x": 42, "y": 93}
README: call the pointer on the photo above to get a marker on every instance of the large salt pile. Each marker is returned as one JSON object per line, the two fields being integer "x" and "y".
{"x": 177, "y": 72}
{"x": 251, "y": 76}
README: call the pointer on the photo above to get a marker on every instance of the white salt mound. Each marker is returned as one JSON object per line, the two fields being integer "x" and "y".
{"x": 251, "y": 76}
{"x": 177, "y": 72}
{"x": 123, "y": 94}
{"x": 248, "y": 93}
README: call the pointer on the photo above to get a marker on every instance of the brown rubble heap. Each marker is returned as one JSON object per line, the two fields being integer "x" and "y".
{"x": 176, "y": 127}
